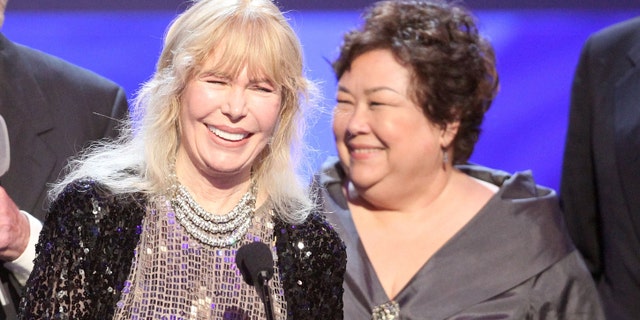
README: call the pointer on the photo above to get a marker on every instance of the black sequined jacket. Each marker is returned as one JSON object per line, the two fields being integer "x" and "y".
{"x": 87, "y": 244}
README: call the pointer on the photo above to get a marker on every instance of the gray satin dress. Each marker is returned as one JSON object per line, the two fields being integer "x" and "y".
{"x": 513, "y": 260}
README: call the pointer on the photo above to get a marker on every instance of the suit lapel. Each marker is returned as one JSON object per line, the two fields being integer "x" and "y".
{"x": 28, "y": 117}
{"x": 627, "y": 133}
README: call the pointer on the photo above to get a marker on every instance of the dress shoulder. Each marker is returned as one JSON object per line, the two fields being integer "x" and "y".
{"x": 565, "y": 291}
{"x": 84, "y": 252}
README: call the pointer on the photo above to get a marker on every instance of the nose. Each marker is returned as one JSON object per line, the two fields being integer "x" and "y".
{"x": 235, "y": 107}
{"x": 358, "y": 122}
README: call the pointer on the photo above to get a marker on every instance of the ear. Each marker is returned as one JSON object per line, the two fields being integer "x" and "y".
{"x": 448, "y": 133}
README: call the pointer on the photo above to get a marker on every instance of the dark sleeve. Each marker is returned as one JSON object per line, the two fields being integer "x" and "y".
{"x": 578, "y": 183}
{"x": 84, "y": 253}
{"x": 56, "y": 287}
{"x": 312, "y": 263}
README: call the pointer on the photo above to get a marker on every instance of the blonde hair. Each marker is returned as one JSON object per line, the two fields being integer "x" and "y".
{"x": 251, "y": 33}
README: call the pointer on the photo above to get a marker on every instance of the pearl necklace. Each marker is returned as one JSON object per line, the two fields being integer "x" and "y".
{"x": 209, "y": 228}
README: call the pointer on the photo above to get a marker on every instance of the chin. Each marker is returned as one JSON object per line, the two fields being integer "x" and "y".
{"x": 361, "y": 180}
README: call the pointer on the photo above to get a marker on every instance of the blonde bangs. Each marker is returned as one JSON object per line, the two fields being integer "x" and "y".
{"x": 258, "y": 44}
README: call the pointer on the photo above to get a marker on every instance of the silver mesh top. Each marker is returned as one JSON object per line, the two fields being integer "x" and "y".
{"x": 174, "y": 276}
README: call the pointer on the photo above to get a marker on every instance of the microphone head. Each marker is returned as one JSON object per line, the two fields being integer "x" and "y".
{"x": 255, "y": 261}
{"x": 4, "y": 147}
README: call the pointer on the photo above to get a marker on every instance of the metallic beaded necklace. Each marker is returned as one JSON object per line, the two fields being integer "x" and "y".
{"x": 209, "y": 228}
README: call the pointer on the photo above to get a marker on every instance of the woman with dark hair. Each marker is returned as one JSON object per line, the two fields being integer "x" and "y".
{"x": 428, "y": 235}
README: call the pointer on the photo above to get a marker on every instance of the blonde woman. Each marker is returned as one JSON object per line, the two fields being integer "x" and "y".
{"x": 148, "y": 226}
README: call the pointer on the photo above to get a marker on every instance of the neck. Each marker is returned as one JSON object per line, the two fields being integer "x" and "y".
{"x": 217, "y": 193}
{"x": 214, "y": 197}
{"x": 424, "y": 192}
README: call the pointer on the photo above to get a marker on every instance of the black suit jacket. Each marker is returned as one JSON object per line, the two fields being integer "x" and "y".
{"x": 600, "y": 187}
{"x": 52, "y": 109}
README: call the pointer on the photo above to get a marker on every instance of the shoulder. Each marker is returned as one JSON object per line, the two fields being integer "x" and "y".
{"x": 315, "y": 233}
{"x": 620, "y": 37}
{"x": 314, "y": 246}
{"x": 86, "y": 188}
{"x": 330, "y": 172}
{"x": 88, "y": 198}
{"x": 53, "y": 72}
{"x": 620, "y": 30}
{"x": 524, "y": 212}
{"x": 518, "y": 185}
{"x": 87, "y": 213}
{"x": 95, "y": 229}
{"x": 329, "y": 180}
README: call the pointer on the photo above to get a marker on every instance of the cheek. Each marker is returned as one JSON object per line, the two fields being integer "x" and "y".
{"x": 406, "y": 131}
{"x": 270, "y": 124}
{"x": 427, "y": 139}
{"x": 339, "y": 123}
{"x": 191, "y": 104}
{"x": 267, "y": 113}
{"x": 188, "y": 124}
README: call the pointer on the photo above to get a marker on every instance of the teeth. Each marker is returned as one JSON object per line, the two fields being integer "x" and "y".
{"x": 365, "y": 150}
{"x": 227, "y": 135}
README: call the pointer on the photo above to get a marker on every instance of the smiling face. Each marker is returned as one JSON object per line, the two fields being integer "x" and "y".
{"x": 225, "y": 123}
{"x": 384, "y": 140}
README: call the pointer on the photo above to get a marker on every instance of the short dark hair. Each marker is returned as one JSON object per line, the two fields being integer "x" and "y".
{"x": 452, "y": 65}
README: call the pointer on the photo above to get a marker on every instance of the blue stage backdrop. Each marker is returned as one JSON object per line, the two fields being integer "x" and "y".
{"x": 537, "y": 51}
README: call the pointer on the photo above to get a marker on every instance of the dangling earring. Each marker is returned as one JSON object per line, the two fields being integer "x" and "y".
{"x": 445, "y": 156}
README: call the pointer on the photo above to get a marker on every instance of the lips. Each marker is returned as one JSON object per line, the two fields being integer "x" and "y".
{"x": 230, "y": 136}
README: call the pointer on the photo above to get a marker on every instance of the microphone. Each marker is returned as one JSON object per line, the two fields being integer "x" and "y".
{"x": 256, "y": 265}
{"x": 4, "y": 147}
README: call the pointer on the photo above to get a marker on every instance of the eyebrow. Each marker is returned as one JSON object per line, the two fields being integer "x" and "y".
{"x": 369, "y": 91}
{"x": 261, "y": 80}
{"x": 222, "y": 75}
{"x": 211, "y": 73}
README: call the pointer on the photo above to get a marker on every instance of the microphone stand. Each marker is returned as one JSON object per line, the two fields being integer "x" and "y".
{"x": 263, "y": 283}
